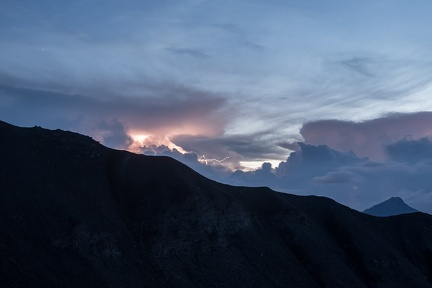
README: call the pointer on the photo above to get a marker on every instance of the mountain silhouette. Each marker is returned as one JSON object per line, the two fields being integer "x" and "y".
{"x": 390, "y": 207}
{"x": 74, "y": 213}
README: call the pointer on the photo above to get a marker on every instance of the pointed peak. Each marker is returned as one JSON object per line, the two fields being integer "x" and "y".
{"x": 390, "y": 207}
{"x": 395, "y": 199}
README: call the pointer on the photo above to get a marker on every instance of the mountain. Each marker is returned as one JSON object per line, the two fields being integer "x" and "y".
{"x": 390, "y": 207}
{"x": 74, "y": 213}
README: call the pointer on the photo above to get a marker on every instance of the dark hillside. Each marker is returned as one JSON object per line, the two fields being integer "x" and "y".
{"x": 77, "y": 214}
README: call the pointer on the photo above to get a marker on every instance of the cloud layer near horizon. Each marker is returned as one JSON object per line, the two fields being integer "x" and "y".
{"x": 350, "y": 179}
{"x": 368, "y": 138}
{"x": 355, "y": 182}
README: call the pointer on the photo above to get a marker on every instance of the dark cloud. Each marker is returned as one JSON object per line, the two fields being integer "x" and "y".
{"x": 240, "y": 35}
{"x": 350, "y": 180}
{"x": 359, "y": 65}
{"x": 252, "y": 45}
{"x": 197, "y": 53}
{"x": 164, "y": 110}
{"x": 264, "y": 176}
{"x": 293, "y": 146}
{"x": 316, "y": 158}
{"x": 368, "y": 138}
{"x": 236, "y": 147}
{"x": 337, "y": 177}
{"x": 114, "y": 134}
{"x": 410, "y": 151}
{"x": 305, "y": 167}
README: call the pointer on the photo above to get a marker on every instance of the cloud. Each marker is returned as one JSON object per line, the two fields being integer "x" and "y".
{"x": 410, "y": 151}
{"x": 167, "y": 110}
{"x": 264, "y": 176}
{"x": 188, "y": 51}
{"x": 368, "y": 138}
{"x": 336, "y": 177}
{"x": 293, "y": 146}
{"x": 241, "y": 35}
{"x": 305, "y": 167}
{"x": 114, "y": 134}
{"x": 316, "y": 158}
{"x": 356, "y": 182}
{"x": 239, "y": 147}
{"x": 359, "y": 65}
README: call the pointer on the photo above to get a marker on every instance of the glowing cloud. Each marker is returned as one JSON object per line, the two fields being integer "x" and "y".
{"x": 141, "y": 140}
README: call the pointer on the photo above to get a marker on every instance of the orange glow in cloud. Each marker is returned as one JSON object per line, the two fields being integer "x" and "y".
{"x": 142, "y": 140}
{"x": 139, "y": 137}
{"x": 161, "y": 136}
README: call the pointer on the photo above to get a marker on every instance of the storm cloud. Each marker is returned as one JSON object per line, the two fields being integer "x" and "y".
{"x": 349, "y": 179}
{"x": 368, "y": 138}
{"x": 169, "y": 110}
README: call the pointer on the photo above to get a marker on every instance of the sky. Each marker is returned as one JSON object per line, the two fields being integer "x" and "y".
{"x": 226, "y": 86}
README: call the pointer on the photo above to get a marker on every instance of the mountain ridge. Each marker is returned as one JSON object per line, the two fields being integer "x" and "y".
{"x": 77, "y": 214}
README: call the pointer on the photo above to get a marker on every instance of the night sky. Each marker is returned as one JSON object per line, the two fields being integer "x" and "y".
{"x": 230, "y": 85}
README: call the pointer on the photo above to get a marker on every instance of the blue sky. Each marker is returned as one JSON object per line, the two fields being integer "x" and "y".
{"x": 237, "y": 79}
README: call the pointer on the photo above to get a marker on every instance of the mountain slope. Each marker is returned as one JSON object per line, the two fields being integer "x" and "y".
{"x": 390, "y": 207}
{"x": 77, "y": 214}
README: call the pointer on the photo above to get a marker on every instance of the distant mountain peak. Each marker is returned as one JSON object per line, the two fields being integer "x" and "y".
{"x": 390, "y": 207}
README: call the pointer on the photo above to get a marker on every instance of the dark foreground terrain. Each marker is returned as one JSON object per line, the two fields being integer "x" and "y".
{"x": 76, "y": 214}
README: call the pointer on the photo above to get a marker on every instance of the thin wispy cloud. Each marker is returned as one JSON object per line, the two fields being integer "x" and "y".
{"x": 188, "y": 51}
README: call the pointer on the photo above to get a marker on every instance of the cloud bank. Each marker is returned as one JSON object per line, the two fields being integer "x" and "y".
{"x": 350, "y": 180}
{"x": 168, "y": 110}
{"x": 368, "y": 138}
